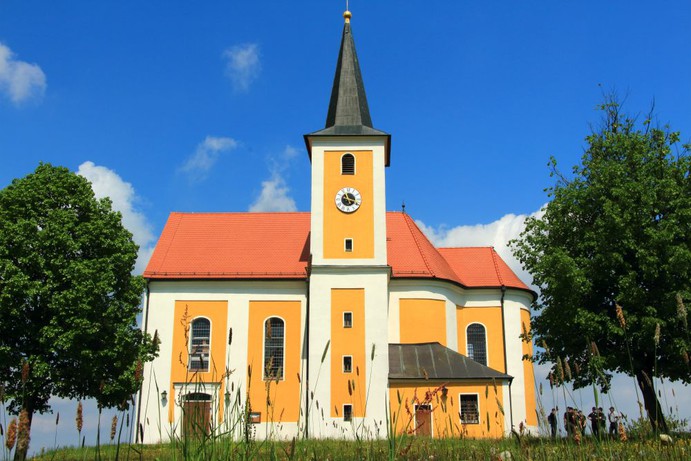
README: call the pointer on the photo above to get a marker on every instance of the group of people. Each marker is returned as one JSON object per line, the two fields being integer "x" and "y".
{"x": 575, "y": 421}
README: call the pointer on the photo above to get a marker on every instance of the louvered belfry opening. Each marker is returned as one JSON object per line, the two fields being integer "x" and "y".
{"x": 348, "y": 164}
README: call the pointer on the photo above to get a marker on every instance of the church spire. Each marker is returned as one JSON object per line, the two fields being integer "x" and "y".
{"x": 348, "y": 105}
{"x": 348, "y": 113}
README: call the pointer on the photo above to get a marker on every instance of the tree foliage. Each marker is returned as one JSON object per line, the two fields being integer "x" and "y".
{"x": 612, "y": 259}
{"x": 68, "y": 301}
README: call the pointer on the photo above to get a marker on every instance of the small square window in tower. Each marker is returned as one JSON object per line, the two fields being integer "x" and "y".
{"x": 347, "y": 412}
{"x": 348, "y": 164}
{"x": 347, "y": 320}
{"x": 348, "y": 245}
{"x": 347, "y": 364}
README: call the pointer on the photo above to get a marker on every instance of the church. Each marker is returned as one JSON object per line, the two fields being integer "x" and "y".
{"x": 344, "y": 321}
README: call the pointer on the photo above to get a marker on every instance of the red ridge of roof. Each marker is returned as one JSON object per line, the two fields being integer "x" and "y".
{"x": 410, "y": 253}
{"x": 236, "y": 246}
{"x": 496, "y": 266}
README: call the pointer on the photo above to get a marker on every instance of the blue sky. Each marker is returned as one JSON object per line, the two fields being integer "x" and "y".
{"x": 201, "y": 106}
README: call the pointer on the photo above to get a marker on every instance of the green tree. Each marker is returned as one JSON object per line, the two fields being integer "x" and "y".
{"x": 612, "y": 259}
{"x": 68, "y": 300}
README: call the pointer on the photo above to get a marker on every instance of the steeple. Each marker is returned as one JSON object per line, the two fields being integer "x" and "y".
{"x": 348, "y": 113}
{"x": 348, "y": 105}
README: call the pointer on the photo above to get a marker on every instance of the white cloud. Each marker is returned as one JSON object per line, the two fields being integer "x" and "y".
{"x": 275, "y": 192}
{"x": 243, "y": 65}
{"x": 206, "y": 155}
{"x": 107, "y": 183}
{"x": 496, "y": 234}
{"x": 20, "y": 80}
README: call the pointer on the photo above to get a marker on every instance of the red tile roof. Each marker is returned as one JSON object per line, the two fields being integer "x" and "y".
{"x": 276, "y": 246}
{"x": 232, "y": 246}
{"x": 481, "y": 267}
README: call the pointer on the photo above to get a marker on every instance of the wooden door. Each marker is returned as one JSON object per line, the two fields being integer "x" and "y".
{"x": 423, "y": 420}
{"x": 196, "y": 417}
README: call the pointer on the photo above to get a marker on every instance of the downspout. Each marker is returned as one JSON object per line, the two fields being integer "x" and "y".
{"x": 146, "y": 327}
{"x": 506, "y": 362}
{"x": 307, "y": 350}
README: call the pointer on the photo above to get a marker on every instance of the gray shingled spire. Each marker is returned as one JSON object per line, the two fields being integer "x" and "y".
{"x": 348, "y": 113}
{"x": 348, "y": 105}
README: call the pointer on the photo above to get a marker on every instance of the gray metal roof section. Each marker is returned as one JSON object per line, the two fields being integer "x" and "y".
{"x": 348, "y": 113}
{"x": 433, "y": 361}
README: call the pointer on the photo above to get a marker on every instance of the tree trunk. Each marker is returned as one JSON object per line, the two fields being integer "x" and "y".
{"x": 23, "y": 433}
{"x": 652, "y": 405}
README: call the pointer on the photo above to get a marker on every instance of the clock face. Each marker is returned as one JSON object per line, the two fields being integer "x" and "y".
{"x": 348, "y": 199}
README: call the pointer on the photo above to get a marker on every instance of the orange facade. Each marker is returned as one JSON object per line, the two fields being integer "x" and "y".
{"x": 277, "y": 400}
{"x": 348, "y": 387}
{"x": 358, "y": 226}
{"x": 185, "y": 313}
{"x": 443, "y": 400}
{"x": 490, "y": 318}
{"x": 423, "y": 320}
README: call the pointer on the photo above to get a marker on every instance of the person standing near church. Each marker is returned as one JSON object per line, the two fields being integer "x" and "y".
{"x": 613, "y": 416}
{"x": 552, "y": 420}
{"x": 594, "y": 423}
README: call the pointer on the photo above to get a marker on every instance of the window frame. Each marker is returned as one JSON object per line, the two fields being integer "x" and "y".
{"x": 468, "y": 344}
{"x": 343, "y": 364}
{"x": 191, "y": 348}
{"x": 347, "y": 324}
{"x": 477, "y": 406}
{"x": 348, "y": 154}
{"x": 283, "y": 350}
{"x": 345, "y": 245}
{"x": 349, "y": 417}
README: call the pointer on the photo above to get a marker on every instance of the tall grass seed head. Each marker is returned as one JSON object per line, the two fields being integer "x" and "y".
{"x": 620, "y": 316}
{"x": 593, "y": 349}
{"x": 113, "y": 427}
{"x": 25, "y": 371}
{"x": 657, "y": 335}
{"x": 681, "y": 310}
{"x": 138, "y": 371}
{"x": 560, "y": 370}
{"x": 567, "y": 369}
{"x": 79, "y": 420}
{"x": 23, "y": 436}
{"x": 11, "y": 438}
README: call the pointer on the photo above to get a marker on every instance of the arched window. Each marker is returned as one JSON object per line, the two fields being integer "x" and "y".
{"x": 200, "y": 344}
{"x": 476, "y": 339}
{"x": 348, "y": 164}
{"x": 274, "y": 348}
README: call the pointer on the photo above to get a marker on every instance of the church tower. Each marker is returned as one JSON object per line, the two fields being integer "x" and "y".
{"x": 348, "y": 285}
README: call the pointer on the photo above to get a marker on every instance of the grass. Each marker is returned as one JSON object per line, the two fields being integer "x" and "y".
{"x": 413, "y": 448}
